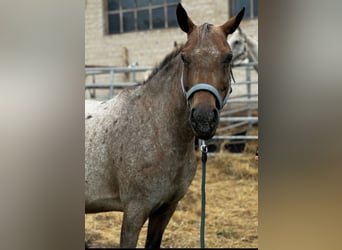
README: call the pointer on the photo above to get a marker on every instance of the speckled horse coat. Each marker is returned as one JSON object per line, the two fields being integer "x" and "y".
{"x": 139, "y": 146}
{"x": 140, "y": 149}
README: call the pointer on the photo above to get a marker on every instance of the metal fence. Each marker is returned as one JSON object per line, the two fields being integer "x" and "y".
{"x": 239, "y": 115}
{"x": 111, "y": 73}
{"x": 236, "y": 119}
{"x": 248, "y": 103}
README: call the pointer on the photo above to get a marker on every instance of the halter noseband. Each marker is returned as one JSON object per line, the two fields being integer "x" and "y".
{"x": 206, "y": 87}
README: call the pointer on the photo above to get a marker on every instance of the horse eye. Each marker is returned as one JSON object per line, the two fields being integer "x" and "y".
{"x": 228, "y": 59}
{"x": 237, "y": 42}
{"x": 186, "y": 61}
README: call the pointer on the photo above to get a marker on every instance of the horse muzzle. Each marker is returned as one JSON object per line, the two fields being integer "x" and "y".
{"x": 204, "y": 118}
{"x": 204, "y": 121}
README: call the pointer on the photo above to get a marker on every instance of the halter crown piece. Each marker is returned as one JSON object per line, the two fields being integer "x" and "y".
{"x": 206, "y": 87}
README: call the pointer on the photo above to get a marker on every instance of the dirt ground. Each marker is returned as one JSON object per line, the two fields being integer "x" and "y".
{"x": 231, "y": 208}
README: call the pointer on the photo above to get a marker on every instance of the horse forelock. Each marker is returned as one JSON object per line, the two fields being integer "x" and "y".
{"x": 204, "y": 29}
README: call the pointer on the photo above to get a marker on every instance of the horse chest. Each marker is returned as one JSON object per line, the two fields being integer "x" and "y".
{"x": 179, "y": 178}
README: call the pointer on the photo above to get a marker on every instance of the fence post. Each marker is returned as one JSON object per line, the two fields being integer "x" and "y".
{"x": 111, "y": 91}
{"x": 93, "y": 93}
{"x": 249, "y": 93}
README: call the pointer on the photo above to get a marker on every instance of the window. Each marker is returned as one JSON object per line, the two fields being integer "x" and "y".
{"x": 251, "y": 6}
{"x": 138, "y": 15}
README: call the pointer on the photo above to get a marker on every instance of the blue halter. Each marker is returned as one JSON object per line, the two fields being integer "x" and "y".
{"x": 206, "y": 87}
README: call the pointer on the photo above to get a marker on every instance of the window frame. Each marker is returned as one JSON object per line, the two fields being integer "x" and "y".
{"x": 232, "y": 9}
{"x": 150, "y": 7}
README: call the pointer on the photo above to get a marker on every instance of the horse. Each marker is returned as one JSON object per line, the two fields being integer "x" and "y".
{"x": 139, "y": 145}
{"x": 244, "y": 47}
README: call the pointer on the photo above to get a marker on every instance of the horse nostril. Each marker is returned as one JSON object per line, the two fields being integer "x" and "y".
{"x": 192, "y": 113}
{"x": 214, "y": 118}
{"x": 215, "y": 114}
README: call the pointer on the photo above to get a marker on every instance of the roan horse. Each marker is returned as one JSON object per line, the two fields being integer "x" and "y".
{"x": 244, "y": 47}
{"x": 180, "y": 100}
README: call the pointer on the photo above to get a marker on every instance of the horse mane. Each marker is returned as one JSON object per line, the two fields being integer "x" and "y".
{"x": 165, "y": 61}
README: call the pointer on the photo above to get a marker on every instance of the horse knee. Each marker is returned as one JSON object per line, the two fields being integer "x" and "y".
{"x": 133, "y": 219}
{"x": 157, "y": 223}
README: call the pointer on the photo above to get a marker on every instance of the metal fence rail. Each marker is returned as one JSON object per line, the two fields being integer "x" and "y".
{"x": 230, "y": 119}
{"x": 240, "y": 115}
{"x": 111, "y": 72}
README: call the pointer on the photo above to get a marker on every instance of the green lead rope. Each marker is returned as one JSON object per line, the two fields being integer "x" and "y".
{"x": 204, "y": 150}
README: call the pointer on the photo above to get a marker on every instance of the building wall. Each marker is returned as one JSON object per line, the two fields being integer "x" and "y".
{"x": 147, "y": 48}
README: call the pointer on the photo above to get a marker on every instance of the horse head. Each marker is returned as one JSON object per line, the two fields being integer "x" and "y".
{"x": 244, "y": 47}
{"x": 237, "y": 42}
{"x": 205, "y": 78}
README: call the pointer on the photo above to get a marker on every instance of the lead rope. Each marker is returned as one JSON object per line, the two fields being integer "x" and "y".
{"x": 204, "y": 150}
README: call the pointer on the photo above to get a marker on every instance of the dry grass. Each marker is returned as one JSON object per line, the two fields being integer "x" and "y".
{"x": 231, "y": 209}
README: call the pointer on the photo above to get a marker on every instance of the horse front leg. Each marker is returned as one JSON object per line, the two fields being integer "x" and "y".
{"x": 157, "y": 224}
{"x": 135, "y": 215}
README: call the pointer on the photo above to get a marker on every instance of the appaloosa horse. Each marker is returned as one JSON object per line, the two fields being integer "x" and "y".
{"x": 139, "y": 146}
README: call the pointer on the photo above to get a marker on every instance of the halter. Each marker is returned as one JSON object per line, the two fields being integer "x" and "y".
{"x": 206, "y": 87}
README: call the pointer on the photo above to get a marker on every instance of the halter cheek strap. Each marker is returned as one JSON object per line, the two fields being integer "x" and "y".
{"x": 205, "y": 87}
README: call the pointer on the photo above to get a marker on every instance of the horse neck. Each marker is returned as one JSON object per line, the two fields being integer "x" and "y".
{"x": 165, "y": 87}
{"x": 252, "y": 48}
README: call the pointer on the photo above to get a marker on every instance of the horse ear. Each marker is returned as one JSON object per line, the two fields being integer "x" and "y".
{"x": 184, "y": 21}
{"x": 231, "y": 25}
